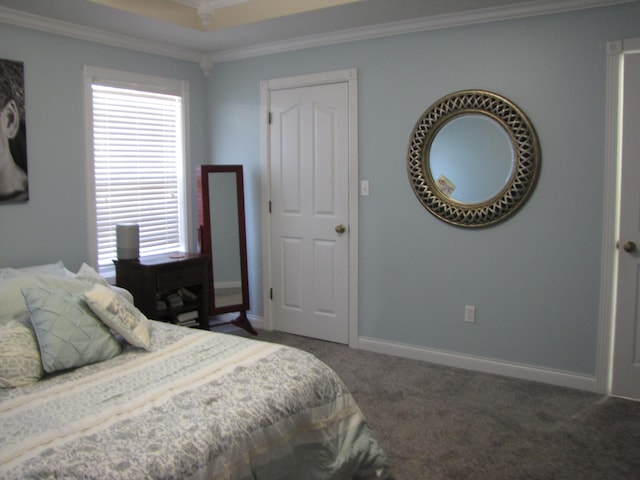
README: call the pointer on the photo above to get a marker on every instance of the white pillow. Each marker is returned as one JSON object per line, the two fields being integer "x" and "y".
{"x": 12, "y": 303}
{"x": 58, "y": 269}
{"x": 124, "y": 293}
{"x": 87, "y": 273}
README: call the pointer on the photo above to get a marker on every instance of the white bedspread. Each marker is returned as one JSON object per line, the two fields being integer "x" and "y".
{"x": 199, "y": 405}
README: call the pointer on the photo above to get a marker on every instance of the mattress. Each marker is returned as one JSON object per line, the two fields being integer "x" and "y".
{"x": 197, "y": 405}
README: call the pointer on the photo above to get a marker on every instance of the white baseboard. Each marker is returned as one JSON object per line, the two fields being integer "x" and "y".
{"x": 550, "y": 376}
{"x": 480, "y": 364}
{"x": 256, "y": 322}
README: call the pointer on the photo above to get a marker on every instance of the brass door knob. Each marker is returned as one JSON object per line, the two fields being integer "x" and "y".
{"x": 629, "y": 247}
{"x": 341, "y": 228}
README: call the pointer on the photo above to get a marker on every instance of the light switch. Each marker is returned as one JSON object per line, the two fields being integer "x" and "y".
{"x": 469, "y": 313}
{"x": 364, "y": 188}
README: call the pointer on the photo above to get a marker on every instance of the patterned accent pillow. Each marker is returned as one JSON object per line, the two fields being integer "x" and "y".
{"x": 69, "y": 334}
{"x": 20, "y": 362}
{"x": 119, "y": 314}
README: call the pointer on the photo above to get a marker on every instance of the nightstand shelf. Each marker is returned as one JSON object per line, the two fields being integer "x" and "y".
{"x": 167, "y": 287}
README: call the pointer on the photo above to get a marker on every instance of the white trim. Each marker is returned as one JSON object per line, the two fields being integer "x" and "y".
{"x": 90, "y": 194}
{"x": 468, "y": 362}
{"x": 80, "y": 32}
{"x": 311, "y": 79}
{"x": 257, "y": 322}
{"x": 350, "y": 76}
{"x": 543, "y": 7}
{"x": 152, "y": 83}
{"x": 437, "y": 22}
{"x": 609, "y": 223}
{"x": 611, "y": 215}
{"x": 265, "y": 168}
{"x": 354, "y": 208}
{"x": 190, "y": 240}
{"x": 480, "y": 364}
{"x": 126, "y": 79}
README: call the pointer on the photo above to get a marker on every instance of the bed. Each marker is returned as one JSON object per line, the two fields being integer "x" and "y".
{"x": 169, "y": 402}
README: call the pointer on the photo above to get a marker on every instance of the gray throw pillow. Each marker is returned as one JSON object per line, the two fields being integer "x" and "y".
{"x": 69, "y": 334}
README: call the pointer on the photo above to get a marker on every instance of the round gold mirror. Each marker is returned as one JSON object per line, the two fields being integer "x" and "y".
{"x": 473, "y": 158}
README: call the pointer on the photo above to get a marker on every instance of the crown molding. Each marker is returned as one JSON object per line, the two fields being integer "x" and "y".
{"x": 437, "y": 22}
{"x": 485, "y": 15}
{"x": 73, "y": 30}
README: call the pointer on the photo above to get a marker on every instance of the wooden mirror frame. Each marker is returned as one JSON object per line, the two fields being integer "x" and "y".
{"x": 526, "y": 157}
{"x": 206, "y": 247}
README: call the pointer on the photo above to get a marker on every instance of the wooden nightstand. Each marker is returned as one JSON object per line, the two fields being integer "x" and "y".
{"x": 167, "y": 288}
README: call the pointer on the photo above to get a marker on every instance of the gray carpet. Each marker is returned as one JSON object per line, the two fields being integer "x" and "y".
{"x": 437, "y": 422}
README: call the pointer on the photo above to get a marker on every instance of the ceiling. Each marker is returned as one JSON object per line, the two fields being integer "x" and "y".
{"x": 255, "y": 27}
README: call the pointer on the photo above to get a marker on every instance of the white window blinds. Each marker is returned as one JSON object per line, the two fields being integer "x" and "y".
{"x": 138, "y": 168}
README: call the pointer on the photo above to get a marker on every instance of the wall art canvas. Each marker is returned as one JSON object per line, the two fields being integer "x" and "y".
{"x": 14, "y": 180}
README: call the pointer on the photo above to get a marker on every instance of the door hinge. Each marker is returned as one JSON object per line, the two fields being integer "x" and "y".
{"x": 269, "y": 206}
{"x": 270, "y": 119}
{"x": 271, "y": 294}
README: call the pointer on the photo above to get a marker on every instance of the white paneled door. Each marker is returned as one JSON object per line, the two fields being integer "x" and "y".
{"x": 626, "y": 358}
{"x": 309, "y": 194}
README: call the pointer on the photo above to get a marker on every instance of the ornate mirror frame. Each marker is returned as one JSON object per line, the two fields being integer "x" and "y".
{"x": 526, "y": 158}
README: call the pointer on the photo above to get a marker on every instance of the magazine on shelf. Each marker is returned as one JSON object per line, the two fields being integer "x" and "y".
{"x": 187, "y": 295}
{"x": 174, "y": 301}
{"x": 186, "y": 316}
{"x": 190, "y": 323}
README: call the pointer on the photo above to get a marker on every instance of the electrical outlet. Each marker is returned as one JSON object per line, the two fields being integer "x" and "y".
{"x": 469, "y": 314}
{"x": 364, "y": 188}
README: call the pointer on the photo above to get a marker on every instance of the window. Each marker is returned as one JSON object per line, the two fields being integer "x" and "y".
{"x": 137, "y": 151}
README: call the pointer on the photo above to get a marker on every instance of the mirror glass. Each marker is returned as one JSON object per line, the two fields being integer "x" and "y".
{"x": 471, "y": 158}
{"x": 222, "y": 236}
{"x": 225, "y": 239}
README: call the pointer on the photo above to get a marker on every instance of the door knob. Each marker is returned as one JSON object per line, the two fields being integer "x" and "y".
{"x": 629, "y": 247}
{"x": 341, "y": 228}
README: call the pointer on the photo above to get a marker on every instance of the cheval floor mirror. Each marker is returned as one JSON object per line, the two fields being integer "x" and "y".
{"x": 222, "y": 236}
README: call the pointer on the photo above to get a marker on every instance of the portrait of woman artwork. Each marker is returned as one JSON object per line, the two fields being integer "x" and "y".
{"x": 14, "y": 184}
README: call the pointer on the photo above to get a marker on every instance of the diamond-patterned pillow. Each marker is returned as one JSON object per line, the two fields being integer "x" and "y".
{"x": 69, "y": 334}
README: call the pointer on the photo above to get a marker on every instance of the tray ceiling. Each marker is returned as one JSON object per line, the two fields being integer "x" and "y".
{"x": 242, "y": 28}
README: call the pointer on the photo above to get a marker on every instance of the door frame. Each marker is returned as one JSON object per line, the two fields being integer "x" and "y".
{"x": 611, "y": 213}
{"x": 350, "y": 77}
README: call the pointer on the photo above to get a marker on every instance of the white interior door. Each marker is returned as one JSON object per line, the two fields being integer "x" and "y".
{"x": 309, "y": 195}
{"x": 626, "y": 356}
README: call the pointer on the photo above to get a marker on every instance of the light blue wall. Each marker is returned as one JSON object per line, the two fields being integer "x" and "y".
{"x": 53, "y": 224}
{"x": 535, "y": 278}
